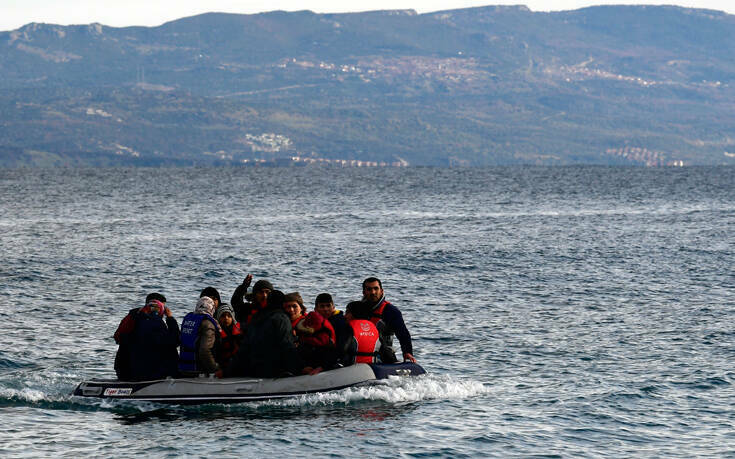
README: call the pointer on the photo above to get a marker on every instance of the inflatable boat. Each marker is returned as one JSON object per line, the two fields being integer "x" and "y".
{"x": 233, "y": 390}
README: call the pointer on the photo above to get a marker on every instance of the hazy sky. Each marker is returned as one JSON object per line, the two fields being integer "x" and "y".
{"x": 15, "y": 13}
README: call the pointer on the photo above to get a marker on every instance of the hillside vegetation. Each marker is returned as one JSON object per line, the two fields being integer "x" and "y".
{"x": 482, "y": 86}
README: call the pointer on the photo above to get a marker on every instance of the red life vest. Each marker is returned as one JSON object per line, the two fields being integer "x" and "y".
{"x": 377, "y": 313}
{"x": 367, "y": 337}
{"x": 296, "y": 322}
{"x": 127, "y": 325}
{"x": 323, "y": 335}
{"x": 228, "y": 344}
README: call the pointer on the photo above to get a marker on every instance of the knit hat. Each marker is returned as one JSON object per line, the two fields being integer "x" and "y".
{"x": 155, "y": 296}
{"x": 224, "y": 308}
{"x": 205, "y": 305}
{"x": 212, "y": 293}
{"x": 155, "y": 307}
{"x": 262, "y": 285}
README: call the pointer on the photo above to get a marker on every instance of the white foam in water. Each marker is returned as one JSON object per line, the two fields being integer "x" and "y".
{"x": 29, "y": 395}
{"x": 394, "y": 390}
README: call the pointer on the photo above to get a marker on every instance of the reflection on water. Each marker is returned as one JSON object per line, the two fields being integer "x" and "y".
{"x": 367, "y": 411}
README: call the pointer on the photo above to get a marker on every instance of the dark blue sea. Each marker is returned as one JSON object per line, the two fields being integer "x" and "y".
{"x": 567, "y": 311}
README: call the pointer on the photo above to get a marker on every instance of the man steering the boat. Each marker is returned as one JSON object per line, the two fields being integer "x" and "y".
{"x": 389, "y": 321}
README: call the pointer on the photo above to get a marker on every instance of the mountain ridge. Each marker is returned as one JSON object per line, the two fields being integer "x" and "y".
{"x": 639, "y": 85}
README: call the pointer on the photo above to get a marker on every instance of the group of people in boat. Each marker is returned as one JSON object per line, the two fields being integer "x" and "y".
{"x": 262, "y": 333}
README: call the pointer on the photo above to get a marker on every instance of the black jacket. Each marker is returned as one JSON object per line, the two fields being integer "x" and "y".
{"x": 241, "y": 308}
{"x": 268, "y": 349}
{"x": 150, "y": 350}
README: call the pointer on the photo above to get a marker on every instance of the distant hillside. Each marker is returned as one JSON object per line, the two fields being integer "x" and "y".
{"x": 639, "y": 85}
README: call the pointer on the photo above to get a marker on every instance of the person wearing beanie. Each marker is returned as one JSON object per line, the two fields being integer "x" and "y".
{"x": 147, "y": 346}
{"x": 155, "y": 296}
{"x": 200, "y": 335}
{"x": 244, "y": 310}
{"x": 268, "y": 349}
{"x": 230, "y": 334}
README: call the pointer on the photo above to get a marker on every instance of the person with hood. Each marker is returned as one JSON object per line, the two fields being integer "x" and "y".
{"x": 147, "y": 344}
{"x": 389, "y": 321}
{"x": 230, "y": 334}
{"x": 268, "y": 349}
{"x": 245, "y": 310}
{"x": 200, "y": 335}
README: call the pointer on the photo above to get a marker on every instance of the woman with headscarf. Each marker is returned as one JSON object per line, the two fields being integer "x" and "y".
{"x": 200, "y": 335}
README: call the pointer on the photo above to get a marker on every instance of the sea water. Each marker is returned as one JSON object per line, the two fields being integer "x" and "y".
{"x": 571, "y": 311}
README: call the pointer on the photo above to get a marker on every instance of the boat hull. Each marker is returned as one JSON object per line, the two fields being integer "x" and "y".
{"x": 233, "y": 390}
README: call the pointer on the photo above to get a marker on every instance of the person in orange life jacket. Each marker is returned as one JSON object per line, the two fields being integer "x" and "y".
{"x": 364, "y": 344}
{"x": 230, "y": 334}
{"x": 200, "y": 335}
{"x": 293, "y": 304}
{"x": 148, "y": 344}
{"x": 324, "y": 305}
{"x": 268, "y": 349}
{"x": 389, "y": 321}
{"x": 317, "y": 339}
{"x": 244, "y": 311}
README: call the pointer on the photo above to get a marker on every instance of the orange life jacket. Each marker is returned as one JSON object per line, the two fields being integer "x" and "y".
{"x": 228, "y": 344}
{"x": 367, "y": 337}
{"x": 377, "y": 313}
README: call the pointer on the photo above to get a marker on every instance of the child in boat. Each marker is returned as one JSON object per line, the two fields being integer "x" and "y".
{"x": 230, "y": 334}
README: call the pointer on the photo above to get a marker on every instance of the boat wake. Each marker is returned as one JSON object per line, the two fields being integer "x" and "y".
{"x": 392, "y": 391}
{"x": 395, "y": 390}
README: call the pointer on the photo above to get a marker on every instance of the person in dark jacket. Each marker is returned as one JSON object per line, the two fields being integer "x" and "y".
{"x": 150, "y": 345}
{"x": 268, "y": 349}
{"x": 389, "y": 321}
{"x": 245, "y": 310}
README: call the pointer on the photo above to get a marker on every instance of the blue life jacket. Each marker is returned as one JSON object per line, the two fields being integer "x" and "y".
{"x": 189, "y": 337}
